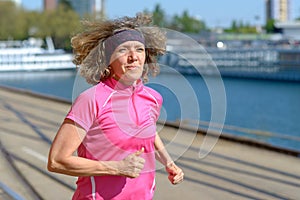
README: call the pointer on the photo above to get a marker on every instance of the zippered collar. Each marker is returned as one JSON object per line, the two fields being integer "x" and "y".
{"x": 118, "y": 86}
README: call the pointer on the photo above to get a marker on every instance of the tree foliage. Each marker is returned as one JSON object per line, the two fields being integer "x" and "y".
{"x": 159, "y": 16}
{"x": 187, "y": 23}
{"x": 61, "y": 23}
{"x": 240, "y": 27}
{"x": 270, "y": 27}
{"x": 12, "y": 21}
{"x": 18, "y": 24}
{"x": 183, "y": 23}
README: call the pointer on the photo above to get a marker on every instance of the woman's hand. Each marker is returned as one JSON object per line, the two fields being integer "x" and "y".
{"x": 132, "y": 165}
{"x": 175, "y": 173}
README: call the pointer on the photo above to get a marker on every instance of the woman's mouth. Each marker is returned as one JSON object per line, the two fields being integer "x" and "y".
{"x": 131, "y": 67}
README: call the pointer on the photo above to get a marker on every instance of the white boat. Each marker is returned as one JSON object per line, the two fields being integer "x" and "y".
{"x": 29, "y": 55}
{"x": 275, "y": 63}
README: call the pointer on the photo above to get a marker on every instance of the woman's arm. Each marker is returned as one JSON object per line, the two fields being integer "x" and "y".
{"x": 62, "y": 159}
{"x": 175, "y": 173}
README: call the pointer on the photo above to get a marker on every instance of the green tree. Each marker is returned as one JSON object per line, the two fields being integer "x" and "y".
{"x": 234, "y": 27}
{"x": 183, "y": 23}
{"x": 240, "y": 27}
{"x": 60, "y": 24}
{"x": 66, "y": 3}
{"x": 12, "y": 21}
{"x": 33, "y": 21}
{"x": 187, "y": 23}
{"x": 270, "y": 27}
{"x": 159, "y": 16}
{"x": 19, "y": 24}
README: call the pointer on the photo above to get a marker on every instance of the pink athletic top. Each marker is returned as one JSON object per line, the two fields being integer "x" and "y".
{"x": 119, "y": 120}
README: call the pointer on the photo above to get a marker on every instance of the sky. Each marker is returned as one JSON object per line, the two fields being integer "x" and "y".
{"x": 215, "y": 13}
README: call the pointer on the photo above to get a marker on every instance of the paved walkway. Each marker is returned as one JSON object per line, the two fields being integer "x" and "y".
{"x": 230, "y": 171}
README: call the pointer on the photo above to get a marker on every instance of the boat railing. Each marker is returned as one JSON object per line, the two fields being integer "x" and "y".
{"x": 232, "y": 58}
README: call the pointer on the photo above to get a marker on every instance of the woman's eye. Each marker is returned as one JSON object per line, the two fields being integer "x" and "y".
{"x": 123, "y": 50}
{"x": 141, "y": 49}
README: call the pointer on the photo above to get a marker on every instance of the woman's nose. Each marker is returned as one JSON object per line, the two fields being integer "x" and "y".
{"x": 132, "y": 56}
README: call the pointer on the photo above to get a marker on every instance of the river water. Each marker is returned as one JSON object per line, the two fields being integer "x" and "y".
{"x": 265, "y": 110}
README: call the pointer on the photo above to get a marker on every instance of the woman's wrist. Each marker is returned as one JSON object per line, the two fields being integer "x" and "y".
{"x": 170, "y": 164}
{"x": 109, "y": 168}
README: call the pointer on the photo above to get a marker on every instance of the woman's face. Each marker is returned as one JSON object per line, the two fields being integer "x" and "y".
{"x": 127, "y": 62}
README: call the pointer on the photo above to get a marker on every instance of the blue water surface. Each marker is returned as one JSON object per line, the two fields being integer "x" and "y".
{"x": 265, "y": 110}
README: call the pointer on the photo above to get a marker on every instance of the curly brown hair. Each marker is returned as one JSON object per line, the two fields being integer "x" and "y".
{"x": 89, "y": 52}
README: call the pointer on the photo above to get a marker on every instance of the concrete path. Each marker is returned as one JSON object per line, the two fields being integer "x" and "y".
{"x": 231, "y": 170}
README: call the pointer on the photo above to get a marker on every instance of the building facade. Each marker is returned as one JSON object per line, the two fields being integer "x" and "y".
{"x": 278, "y": 10}
{"x": 82, "y": 7}
{"x": 282, "y": 10}
{"x": 290, "y": 29}
{"x": 50, "y": 4}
